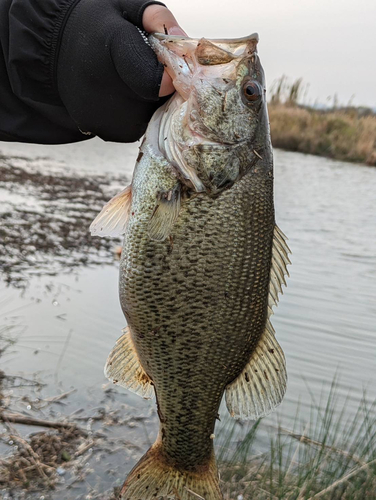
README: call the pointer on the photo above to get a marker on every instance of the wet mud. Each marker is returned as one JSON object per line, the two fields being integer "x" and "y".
{"x": 45, "y": 218}
{"x": 48, "y": 452}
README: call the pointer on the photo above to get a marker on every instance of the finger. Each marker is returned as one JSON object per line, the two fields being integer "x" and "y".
{"x": 157, "y": 18}
{"x": 167, "y": 87}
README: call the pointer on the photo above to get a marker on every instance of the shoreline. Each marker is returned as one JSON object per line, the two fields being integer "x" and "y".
{"x": 345, "y": 134}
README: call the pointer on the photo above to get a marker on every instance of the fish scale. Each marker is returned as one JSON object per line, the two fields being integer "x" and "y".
{"x": 199, "y": 326}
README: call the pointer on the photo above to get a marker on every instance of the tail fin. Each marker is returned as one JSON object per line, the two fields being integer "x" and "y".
{"x": 153, "y": 478}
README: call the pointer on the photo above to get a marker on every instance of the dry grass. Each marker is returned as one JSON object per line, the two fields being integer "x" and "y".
{"x": 342, "y": 134}
{"x": 332, "y": 458}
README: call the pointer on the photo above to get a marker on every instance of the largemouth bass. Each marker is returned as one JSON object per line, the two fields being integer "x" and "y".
{"x": 202, "y": 265}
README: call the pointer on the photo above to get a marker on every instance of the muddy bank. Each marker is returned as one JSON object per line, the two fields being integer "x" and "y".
{"x": 49, "y": 451}
{"x": 46, "y": 217}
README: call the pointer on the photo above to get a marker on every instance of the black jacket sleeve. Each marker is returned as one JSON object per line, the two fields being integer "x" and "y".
{"x": 72, "y": 69}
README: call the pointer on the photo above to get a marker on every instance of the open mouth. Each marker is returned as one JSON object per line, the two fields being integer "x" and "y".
{"x": 186, "y": 58}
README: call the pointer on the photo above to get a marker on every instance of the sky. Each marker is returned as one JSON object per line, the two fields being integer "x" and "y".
{"x": 331, "y": 44}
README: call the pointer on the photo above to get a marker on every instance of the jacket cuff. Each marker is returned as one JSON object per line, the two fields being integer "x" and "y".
{"x": 135, "y": 10}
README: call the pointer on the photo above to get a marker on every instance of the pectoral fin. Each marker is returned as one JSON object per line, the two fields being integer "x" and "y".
{"x": 262, "y": 384}
{"x": 113, "y": 218}
{"x": 124, "y": 368}
{"x": 165, "y": 214}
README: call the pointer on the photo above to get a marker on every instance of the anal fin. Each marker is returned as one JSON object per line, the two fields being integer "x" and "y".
{"x": 260, "y": 388}
{"x": 124, "y": 368}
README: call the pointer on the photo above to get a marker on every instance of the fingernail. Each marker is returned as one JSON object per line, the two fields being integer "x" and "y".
{"x": 176, "y": 30}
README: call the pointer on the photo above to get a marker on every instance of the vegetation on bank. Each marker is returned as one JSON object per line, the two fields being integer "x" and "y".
{"x": 329, "y": 457}
{"x": 341, "y": 133}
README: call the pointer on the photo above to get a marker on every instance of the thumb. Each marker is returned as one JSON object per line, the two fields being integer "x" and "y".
{"x": 157, "y": 18}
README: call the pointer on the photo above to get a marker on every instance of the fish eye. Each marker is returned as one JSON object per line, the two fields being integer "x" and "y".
{"x": 252, "y": 90}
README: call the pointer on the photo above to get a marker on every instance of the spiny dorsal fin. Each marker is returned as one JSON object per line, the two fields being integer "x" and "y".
{"x": 260, "y": 388}
{"x": 124, "y": 368}
{"x": 278, "y": 271}
{"x": 165, "y": 214}
{"x": 113, "y": 218}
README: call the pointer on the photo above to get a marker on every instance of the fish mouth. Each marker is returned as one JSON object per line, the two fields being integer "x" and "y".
{"x": 237, "y": 47}
{"x": 185, "y": 57}
{"x": 229, "y": 41}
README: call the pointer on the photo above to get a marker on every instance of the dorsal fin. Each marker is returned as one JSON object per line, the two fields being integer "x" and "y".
{"x": 278, "y": 270}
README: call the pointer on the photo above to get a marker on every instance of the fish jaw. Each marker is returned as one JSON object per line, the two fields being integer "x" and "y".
{"x": 188, "y": 59}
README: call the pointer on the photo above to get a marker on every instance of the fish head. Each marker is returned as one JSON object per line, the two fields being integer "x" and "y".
{"x": 222, "y": 82}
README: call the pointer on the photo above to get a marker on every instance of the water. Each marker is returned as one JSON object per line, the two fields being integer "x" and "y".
{"x": 326, "y": 320}
{"x": 67, "y": 322}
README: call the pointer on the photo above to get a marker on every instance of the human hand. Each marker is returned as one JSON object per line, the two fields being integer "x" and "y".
{"x": 158, "y": 19}
{"x": 108, "y": 78}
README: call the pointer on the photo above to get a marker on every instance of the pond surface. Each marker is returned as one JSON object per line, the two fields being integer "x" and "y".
{"x": 68, "y": 317}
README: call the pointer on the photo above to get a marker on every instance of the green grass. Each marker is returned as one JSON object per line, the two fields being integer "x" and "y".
{"x": 329, "y": 456}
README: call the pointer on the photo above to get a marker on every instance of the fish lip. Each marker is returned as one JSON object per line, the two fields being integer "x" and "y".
{"x": 163, "y": 36}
